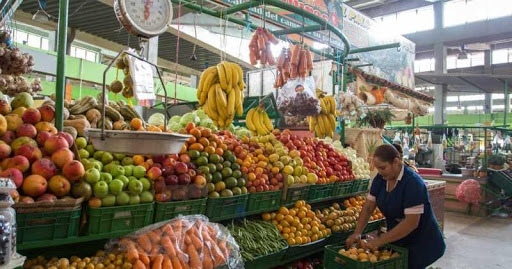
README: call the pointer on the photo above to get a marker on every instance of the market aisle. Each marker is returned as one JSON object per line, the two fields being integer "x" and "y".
{"x": 474, "y": 242}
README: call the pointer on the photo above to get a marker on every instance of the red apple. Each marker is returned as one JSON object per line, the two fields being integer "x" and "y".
{"x": 34, "y": 185}
{"x": 181, "y": 167}
{"x": 30, "y": 152}
{"x": 47, "y": 113}
{"x": 14, "y": 174}
{"x": 159, "y": 186}
{"x": 168, "y": 162}
{"x": 8, "y": 137}
{"x": 31, "y": 116}
{"x": 41, "y": 137}
{"x": 158, "y": 158}
{"x": 26, "y": 129}
{"x": 62, "y": 157}
{"x": 73, "y": 171}
{"x": 5, "y": 150}
{"x": 183, "y": 179}
{"x": 171, "y": 180}
{"x": 68, "y": 138}
{"x": 26, "y": 200}
{"x": 45, "y": 168}
{"x": 19, "y": 162}
{"x": 47, "y": 197}
{"x": 54, "y": 143}
{"x": 154, "y": 173}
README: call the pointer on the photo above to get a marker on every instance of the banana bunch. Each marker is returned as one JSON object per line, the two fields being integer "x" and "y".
{"x": 258, "y": 122}
{"x": 220, "y": 92}
{"x": 324, "y": 124}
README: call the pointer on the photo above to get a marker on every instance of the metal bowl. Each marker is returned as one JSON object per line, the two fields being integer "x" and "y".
{"x": 135, "y": 142}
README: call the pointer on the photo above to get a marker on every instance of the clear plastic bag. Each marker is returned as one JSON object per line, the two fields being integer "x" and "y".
{"x": 190, "y": 241}
{"x": 298, "y": 97}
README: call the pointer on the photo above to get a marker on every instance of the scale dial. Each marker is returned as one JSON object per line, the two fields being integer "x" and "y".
{"x": 146, "y": 18}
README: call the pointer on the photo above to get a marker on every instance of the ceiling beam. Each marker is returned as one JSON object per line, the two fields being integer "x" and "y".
{"x": 391, "y": 7}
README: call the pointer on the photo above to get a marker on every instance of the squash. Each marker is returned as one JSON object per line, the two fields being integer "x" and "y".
{"x": 65, "y": 113}
{"x": 93, "y": 116}
{"x": 70, "y": 130}
{"x": 80, "y": 125}
{"x": 119, "y": 125}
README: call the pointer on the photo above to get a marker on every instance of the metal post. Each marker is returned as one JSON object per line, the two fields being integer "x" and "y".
{"x": 61, "y": 63}
{"x": 507, "y": 103}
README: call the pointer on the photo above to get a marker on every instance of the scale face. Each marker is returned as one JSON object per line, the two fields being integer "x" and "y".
{"x": 146, "y": 18}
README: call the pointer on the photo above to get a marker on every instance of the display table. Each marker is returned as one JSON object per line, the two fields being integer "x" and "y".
{"x": 436, "y": 192}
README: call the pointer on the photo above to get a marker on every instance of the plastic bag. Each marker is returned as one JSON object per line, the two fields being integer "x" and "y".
{"x": 190, "y": 241}
{"x": 298, "y": 97}
{"x": 468, "y": 191}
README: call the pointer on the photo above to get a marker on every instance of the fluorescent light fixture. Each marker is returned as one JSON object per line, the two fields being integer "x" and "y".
{"x": 463, "y": 55}
{"x": 319, "y": 46}
{"x": 40, "y": 16}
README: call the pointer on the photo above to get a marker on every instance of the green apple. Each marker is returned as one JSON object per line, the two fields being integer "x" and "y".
{"x": 125, "y": 181}
{"x": 127, "y": 161}
{"x": 100, "y": 189}
{"x": 116, "y": 186}
{"x": 117, "y": 170}
{"x": 108, "y": 167}
{"x": 119, "y": 156}
{"x": 83, "y": 153}
{"x": 85, "y": 162}
{"x": 92, "y": 175}
{"x": 146, "y": 197}
{"x": 128, "y": 170}
{"x": 105, "y": 177}
{"x": 134, "y": 199}
{"x": 81, "y": 142}
{"x": 116, "y": 162}
{"x": 109, "y": 200}
{"x": 132, "y": 178}
{"x": 139, "y": 171}
{"x": 146, "y": 184}
{"x": 94, "y": 164}
{"x": 97, "y": 155}
{"x": 90, "y": 149}
{"x": 135, "y": 187}
{"x": 123, "y": 198}
{"x": 107, "y": 157}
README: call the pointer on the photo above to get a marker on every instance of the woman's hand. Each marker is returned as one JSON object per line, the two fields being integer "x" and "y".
{"x": 352, "y": 239}
{"x": 374, "y": 243}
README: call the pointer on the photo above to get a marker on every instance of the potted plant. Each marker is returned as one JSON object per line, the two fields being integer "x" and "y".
{"x": 376, "y": 118}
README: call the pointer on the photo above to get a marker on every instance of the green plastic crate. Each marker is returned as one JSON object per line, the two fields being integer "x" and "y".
{"x": 302, "y": 250}
{"x": 169, "y": 210}
{"x": 373, "y": 226}
{"x": 268, "y": 261}
{"x": 259, "y": 202}
{"x": 118, "y": 220}
{"x": 320, "y": 192}
{"x": 294, "y": 194}
{"x": 47, "y": 225}
{"x": 334, "y": 260}
{"x": 223, "y": 208}
{"x": 343, "y": 189}
{"x": 502, "y": 180}
{"x": 360, "y": 185}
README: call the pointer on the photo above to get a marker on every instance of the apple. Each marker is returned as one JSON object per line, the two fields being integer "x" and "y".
{"x": 94, "y": 164}
{"x": 116, "y": 186}
{"x": 159, "y": 186}
{"x": 90, "y": 149}
{"x": 109, "y": 200}
{"x": 100, "y": 189}
{"x": 128, "y": 170}
{"x": 125, "y": 181}
{"x": 106, "y": 177}
{"x": 34, "y": 185}
{"x": 14, "y": 174}
{"x": 47, "y": 113}
{"x": 107, "y": 157}
{"x": 62, "y": 156}
{"x": 92, "y": 175}
{"x": 5, "y": 151}
{"x": 54, "y": 143}
{"x": 27, "y": 130}
{"x": 26, "y": 200}
{"x": 163, "y": 197}
{"x": 98, "y": 154}
{"x": 122, "y": 199}
{"x": 30, "y": 152}
{"x": 80, "y": 142}
{"x": 158, "y": 158}
{"x": 94, "y": 202}
{"x": 73, "y": 171}
{"x": 31, "y": 116}
{"x": 139, "y": 171}
{"x": 135, "y": 187}
{"x": 117, "y": 170}
{"x": 127, "y": 161}
{"x": 200, "y": 181}
{"x": 119, "y": 156}
{"x": 157, "y": 165}
{"x": 183, "y": 179}
{"x": 81, "y": 189}
{"x": 181, "y": 167}
{"x": 146, "y": 197}
{"x": 15, "y": 195}
{"x": 44, "y": 167}
{"x": 171, "y": 180}
{"x": 167, "y": 171}
{"x": 47, "y": 197}
{"x": 134, "y": 199}
{"x": 8, "y": 137}
{"x": 59, "y": 186}
{"x": 154, "y": 173}
{"x": 83, "y": 154}
{"x": 146, "y": 184}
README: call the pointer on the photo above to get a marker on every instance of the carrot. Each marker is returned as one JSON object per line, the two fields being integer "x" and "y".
{"x": 155, "y": 251}
{"x": 139, "y": 265}
{"x": 207, "y": 258}
{"x": 154, "y": 237}
{"x": 144, "y": 259}
{"x": 194, "y": 261}
{"x": 166, "y": 263}
{"x": 223, "y": 247}
{"x": 157, "y": 262}
{"x": 144, "y": 241}
{"x": 132, "y": 255}
{"x": 167, "y": 229}
{"x": 168, "y": 246}
{"x": 218, "y": 258}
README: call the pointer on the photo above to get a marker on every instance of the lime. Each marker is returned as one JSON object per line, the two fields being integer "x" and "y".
{"x": 237, "y": 174}
{"x": 208, "y": 177}
{"x": 235, "y": 166}
{"x": 203, "y": 169}
{"x": 228, "y": 156}
{"x": 226, "y": 164}
{"x": 226, "y": 193}
{"x": 241, "y": 182}
{"x": 216, "y": 177}
{"x": 214, "y": 158}
{"x": 226, "y": 172}
{"x": 212, "y": 167}
{"x": 205, "y": 154}
{"x": 231, "y": 182}
{"x": 214, "y": 194}
{"x": 219, "y": 166}
{"x": 236, "y": 191}
{"x": 201, "y": 161}
{"x": 211, "y": 187}
{"x": 194, "y": 154}
{"x": 244, "y": 190}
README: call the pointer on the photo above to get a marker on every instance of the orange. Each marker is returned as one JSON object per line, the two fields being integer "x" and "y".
{"x": 209, "y": 149}
{"x": 279, "y": 217}
{"x": 138, "y": 159}
{"x": 291, "y": 241}
{"x": 136, "y": 123}
{"x": 196, "y": 146}
{"x": 266, "y": 216}
{"x": 206, "y": 132}
{"x": 292, "y": 212}
{"x": 195, "y": 132}
{"x": 219, "y": 151}
{"x": 191, "y": 140}
{"x": 204, "y": 141}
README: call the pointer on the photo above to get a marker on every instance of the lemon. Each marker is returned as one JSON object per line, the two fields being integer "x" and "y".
{"x": 287, "y": 170}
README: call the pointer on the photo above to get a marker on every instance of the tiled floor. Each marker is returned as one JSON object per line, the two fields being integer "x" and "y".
{"x": 474, "y": 242}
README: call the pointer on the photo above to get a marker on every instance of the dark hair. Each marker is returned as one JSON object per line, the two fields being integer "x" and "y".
{"x": 398, "y": 148}
{"x": 386, "y": 153}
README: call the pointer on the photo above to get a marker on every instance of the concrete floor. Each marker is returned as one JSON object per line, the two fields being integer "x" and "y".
{"x": 474, "y": 242}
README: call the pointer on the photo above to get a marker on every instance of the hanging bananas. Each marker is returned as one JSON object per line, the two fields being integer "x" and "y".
{"x": 324, "y": 124}
{"x": 220, "y": 92}
{"x": 258, "y": 122}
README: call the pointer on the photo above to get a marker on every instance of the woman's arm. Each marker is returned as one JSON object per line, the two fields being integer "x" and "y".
{"x": 400, "y": 231}
{"x": 367, "y": 210}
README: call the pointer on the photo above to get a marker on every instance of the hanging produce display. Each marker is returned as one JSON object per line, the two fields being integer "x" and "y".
{"x": 324, "y": 124}
{"x": 292, "y": 63}
{"x": 351, "y": 106}
{"x": 259, "y": 47}
{"x": 220, "y": 92}
{"x": 258, "y": 122}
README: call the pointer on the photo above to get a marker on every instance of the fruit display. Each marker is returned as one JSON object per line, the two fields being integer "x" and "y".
{"x": 356, "y": 204}
{"x": 351, "y": 106}
{"x": 294, "y": 62}
{"x": 256, "y": 238}
{"x": 364, "y": 254}
{"x": 324, "y": 124}
{"x": 198, "y": 117}
{"x": 360, "y": 166}
{"x": 298, "y": 225}
{"x": 259, "y": 47}
{"x": 220, "y": 92}
{"x": 258, "y": 122}
{"x": 336, "y": 219}
{"x": 99, "y": 260}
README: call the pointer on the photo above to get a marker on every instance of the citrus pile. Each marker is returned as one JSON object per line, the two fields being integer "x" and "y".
{"x": 336, "y": 219}
{"x": 356, "y": 204}
{"x": 365, "y": 255}
{"x": 100, "y": 261}
{"x": 298, "y": 225}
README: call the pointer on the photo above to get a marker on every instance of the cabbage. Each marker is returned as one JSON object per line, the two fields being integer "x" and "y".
{"x": 189, "y": 117}
{"x": 205, "y": 122}
{"x": 174, "y": 126}
{"x": 175, "y": 118}
{"x": 243, "y": 132}
{"x": 157, "y": 119}
{"x": 201, "y": 114}
{"x": 231, "y": 128}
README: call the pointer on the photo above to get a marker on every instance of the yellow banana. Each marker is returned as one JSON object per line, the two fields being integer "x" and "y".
{"x": 332, "y": 105}
{"x": 327, "y": 124}
{"x": 266, "y": 121}
{"x": 234, "y": 73}
{"x": 312, "y": 122}
{"x": 321, "y": 125}
{"x": 318, "y": 130}
{"x": 231, "y": 104}
{"x": 323, "y": 106}
{"x": 260, "y": 129}
{"x": 221, "y": 123}
{"x": 248, "y": 120}
{"x": 222, "y": 76}
{"x": 222, "y": 102}
{"x": 212, "y": 106}
{"x": 204, "y": 83}
{"x": 239, "y": 109}
{"x": 229, "y": 72}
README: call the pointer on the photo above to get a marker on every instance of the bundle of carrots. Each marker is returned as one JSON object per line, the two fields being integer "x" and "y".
{"x": 259, "y": 47}
{"x": 292, "y": 63}
{"x": 183, "y": 242}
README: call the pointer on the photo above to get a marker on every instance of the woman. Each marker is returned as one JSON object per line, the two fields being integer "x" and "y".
{"x": 402, "y": 197}
{"x": 400, "y": 150}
